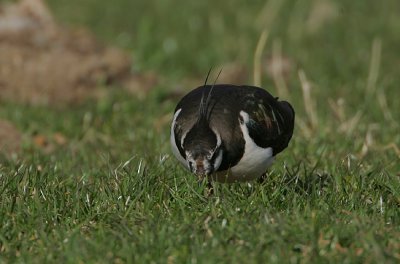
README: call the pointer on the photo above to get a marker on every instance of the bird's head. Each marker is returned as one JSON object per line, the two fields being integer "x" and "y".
{"x": 203, "y": 150}
{"x": 203, "y": 145}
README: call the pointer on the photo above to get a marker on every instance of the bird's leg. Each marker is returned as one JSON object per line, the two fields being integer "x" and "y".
{"x": 263, "y": 178}
{"x": 210, "y": 188}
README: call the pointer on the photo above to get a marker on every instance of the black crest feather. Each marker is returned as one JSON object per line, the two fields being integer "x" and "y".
{"x": 205, "y": 103}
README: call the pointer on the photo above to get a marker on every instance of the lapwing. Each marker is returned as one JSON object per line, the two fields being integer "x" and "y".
{"x": 230, "y": 133}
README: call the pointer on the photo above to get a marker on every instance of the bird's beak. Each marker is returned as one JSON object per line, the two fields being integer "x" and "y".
{"x": 200, "y": 171}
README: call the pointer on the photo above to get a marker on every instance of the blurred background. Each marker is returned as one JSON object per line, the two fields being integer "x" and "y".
{"x": 336, "y": 61}
{"x": 87, "y": 93}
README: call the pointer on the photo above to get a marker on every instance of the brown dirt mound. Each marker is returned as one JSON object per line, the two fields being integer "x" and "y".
{"x": 44, "y": 63}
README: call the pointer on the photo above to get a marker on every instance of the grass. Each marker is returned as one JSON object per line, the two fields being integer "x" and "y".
{"x": 114, "y": 193}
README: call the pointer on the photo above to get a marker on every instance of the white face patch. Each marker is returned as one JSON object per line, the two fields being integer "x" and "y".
{"x": 204, "y": 162}
{"x": 190, "y": 162}
{"x": 183, "y": 139}
{"x": 193, "y": 164}
{"x": 218, "y": 160}
{"x": 175, "y": 150}
{"x": 219, "y": 141}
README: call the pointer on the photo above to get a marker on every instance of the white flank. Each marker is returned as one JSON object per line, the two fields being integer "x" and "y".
{"x": 255, "y": 160}
{"x": 175, "y": 149}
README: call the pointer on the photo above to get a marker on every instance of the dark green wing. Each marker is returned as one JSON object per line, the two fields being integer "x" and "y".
{"x": 271, "y": 121}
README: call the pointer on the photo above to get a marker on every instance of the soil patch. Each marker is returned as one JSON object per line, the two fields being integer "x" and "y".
{"x": 45, "y": 63}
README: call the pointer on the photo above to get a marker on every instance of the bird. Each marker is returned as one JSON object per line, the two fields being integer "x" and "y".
{"x": 230, "y": 133}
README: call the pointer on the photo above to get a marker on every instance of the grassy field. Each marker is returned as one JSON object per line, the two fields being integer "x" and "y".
{"x": 114, "y": 193}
